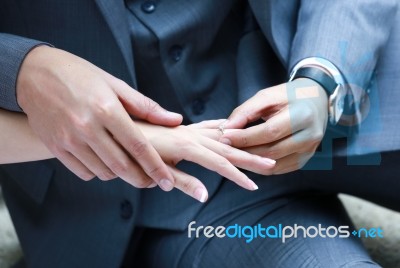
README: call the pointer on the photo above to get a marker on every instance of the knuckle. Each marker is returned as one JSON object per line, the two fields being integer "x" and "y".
{"x": 156, "y": 172}
{"x": 105, "y": 108}
{"x": 222, "y": 163}
{"x": 272, "y": 131}
{"x": 120, "y": 167}
{"x": 228, "y": 151}
{"x": 237, "y": 110}
{"x": 244, "y": 141}
{"x": 182, "y": 143}
{"x": 138, "y": 148}
{"x": 186, "y": 149}
{"x": 273, "y": 153}
{"x": 81, "y": 123}
{"x": 189, "y": 185}
{"x": 56, "y": 149}
{"x": 85, "y": 129}
{"x": 307, "y": 115}
{"x": 68, "y": 142}
{"x": 260, "y": 93}
{"x": 119, "y": 83}
{"x": 150, "y": 105}
{"x": 187, "y": 145}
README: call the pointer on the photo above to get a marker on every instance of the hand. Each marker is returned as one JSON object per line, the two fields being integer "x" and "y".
{"x": 198, "y": 143}
{"x": 81, "y": 113}
{"x": 295, "y": 117}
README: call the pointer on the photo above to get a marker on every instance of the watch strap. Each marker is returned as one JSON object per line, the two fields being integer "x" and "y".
{"x": 319, "y": 76}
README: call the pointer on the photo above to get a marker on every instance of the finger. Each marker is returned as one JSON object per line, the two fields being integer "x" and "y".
{"x": 213, "y": 134}
{"x": 118, "y": 161}
{"x": 281, "y": 125}
{"x": 132, "y": 140}
{"x": 88, "y": 158}
{"x": 296, "y": 143}
{"x": 141, "y": 179}
{"x": 214, "y": 162}
{"x": 291, "y": 163}
{"x": 239, "y": 158}
{"x": 213, "y": 124}
{"x": 74, "y": 165}
{"x": 189, "y": 185}
{"x": 145, "y": 108}
{"x": 255, "y": 107}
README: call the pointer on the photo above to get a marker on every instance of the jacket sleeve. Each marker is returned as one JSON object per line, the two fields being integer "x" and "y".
{"x": 350, "y": 34}
{"x": 13, "y": 50}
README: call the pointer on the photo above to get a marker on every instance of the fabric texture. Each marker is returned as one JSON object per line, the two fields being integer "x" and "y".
{"x": 13, "y": 50}
{"x": 214, "y": 54}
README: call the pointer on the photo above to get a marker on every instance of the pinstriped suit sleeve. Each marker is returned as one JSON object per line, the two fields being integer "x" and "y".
{"x": 13, "y": 50}
{"x": 350, "y": 34}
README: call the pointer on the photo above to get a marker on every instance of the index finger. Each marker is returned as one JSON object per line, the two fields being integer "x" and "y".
{"x": 255, "y": 107}
{"x": 275, "y": 128}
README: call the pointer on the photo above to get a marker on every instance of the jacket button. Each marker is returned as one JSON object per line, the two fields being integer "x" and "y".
{"x": 126, "y": 210}
{"x": 149, "y": 7}
{"x": 198, "y": 106}
{"x": 175, "y": 52}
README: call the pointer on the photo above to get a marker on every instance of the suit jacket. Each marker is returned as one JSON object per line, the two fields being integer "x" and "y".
{"x": 64, "y": 222}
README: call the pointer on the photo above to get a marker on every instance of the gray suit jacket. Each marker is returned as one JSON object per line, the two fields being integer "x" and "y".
{"x": 64, "y": 222}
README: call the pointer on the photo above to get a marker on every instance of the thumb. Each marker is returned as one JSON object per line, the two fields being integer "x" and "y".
{"x": 142, "y": 107}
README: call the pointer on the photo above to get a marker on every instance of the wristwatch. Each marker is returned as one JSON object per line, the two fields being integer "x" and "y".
{"x": 329, "y": 77}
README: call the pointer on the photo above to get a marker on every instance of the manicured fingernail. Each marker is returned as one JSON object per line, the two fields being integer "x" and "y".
{"x": 225, "y": 141}
{"x": 166, "y": 185}
{"x": 174, "y": 114}
{"x": 154, "y": 184}
{"x": 200, "y": 194}
{"x": 252, "y": 184}
{"x": 269, "y": 161}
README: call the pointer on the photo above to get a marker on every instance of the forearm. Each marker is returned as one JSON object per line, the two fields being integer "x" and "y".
{"x": 18, "y": 143}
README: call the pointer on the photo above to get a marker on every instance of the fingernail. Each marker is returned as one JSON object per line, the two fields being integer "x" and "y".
{"x": 225, "y": 141}
{"x": 252, "y": 184}
{"x": 174, "y": 114}
{"x": 166, "y": 185}
{"x": 200, "y": 194}
{"x": 154, "y": 184}
{"x": 269, "y": 161}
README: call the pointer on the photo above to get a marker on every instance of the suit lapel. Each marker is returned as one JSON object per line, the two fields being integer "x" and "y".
{"x": 114, "y": 14}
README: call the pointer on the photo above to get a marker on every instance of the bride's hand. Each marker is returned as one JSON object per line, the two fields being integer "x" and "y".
{"x": 198, "y": 143}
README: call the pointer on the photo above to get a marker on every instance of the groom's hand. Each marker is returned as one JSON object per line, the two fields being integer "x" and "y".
{"x": 295, "y": 115}
{"x": 82, "y": 114}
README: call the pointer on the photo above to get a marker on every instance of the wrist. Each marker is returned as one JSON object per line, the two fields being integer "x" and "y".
{"x": 31, "y": 64}
{"x": 329, "y": 77}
